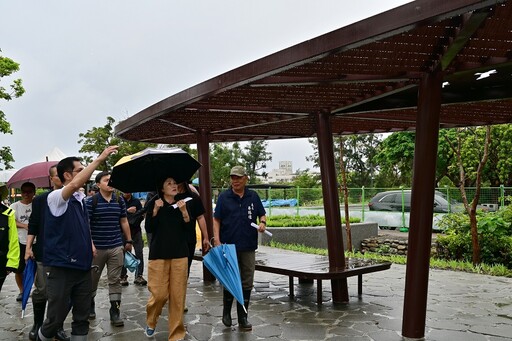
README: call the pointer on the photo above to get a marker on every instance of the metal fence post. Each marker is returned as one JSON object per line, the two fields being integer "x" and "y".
{"x": 403, "y": 228}
{"x": 502, "y": 196}
{"x": 362, "y": 204}
{"x": 298, "y": 201}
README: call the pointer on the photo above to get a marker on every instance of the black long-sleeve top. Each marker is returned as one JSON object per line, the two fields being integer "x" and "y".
{"x": 169, "y": 232}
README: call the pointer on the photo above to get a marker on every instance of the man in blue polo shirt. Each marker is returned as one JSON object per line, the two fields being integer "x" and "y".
{"x": 107, "y": 214}
{"x": 236, "y": 209}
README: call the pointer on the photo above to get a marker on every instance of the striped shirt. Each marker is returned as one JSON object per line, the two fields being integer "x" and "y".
{"x": 105, "y": 221}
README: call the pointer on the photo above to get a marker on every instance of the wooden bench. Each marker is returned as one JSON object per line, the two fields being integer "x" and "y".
{"x": 311, "y": 267}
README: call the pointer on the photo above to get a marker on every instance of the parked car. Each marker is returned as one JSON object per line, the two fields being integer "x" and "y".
{"x": 392, "y": 201}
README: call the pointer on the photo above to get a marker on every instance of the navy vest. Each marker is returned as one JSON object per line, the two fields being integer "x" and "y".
{"x": 67, "y": 239}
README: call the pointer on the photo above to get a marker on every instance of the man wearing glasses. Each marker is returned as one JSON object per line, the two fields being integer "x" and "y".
{"x": 68, "y": 250}
{"x": 22, "y": 210}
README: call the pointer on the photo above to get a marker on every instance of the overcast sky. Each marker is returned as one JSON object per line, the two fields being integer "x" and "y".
{"x": 81, "y": 61}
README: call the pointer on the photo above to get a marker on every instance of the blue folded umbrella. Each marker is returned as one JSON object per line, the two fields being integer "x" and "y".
{"x": 29, "y": 275}
{"x": 223, "y": 264}
{"x": 130, "y": 261}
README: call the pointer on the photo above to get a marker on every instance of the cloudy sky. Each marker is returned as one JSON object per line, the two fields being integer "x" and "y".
{"x": 84, "y": 60}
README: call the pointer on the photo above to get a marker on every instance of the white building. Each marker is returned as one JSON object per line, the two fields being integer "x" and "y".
{"x": 283, "y": 174}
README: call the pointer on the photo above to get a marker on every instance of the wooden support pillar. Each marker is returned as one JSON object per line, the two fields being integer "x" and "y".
{"x": 205, "y": 188}
{"x": 422, "y": 206}
{"x": 335, "y": 247}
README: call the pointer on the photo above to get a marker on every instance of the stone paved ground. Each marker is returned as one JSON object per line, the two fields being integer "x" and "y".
{"x": 461, "y": 306}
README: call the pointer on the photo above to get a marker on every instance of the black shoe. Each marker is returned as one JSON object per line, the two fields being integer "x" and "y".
{"x": 20, "y": 297}
{"x": 115, "y": 315}
{"x": 226, "y": 310}
{"x": 124, "y": 281}
{"x": 244, "y": 324}
{"x": 61, "y": 335}
{"x": 33, "y": 332}
{"x": 92, "y": 311}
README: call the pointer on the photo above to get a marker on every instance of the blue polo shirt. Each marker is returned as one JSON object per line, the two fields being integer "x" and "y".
{"x": 105, "y": 221}
{"x": 236, "y": 215}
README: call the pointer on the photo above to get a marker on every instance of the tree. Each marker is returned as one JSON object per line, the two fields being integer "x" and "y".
{"x": 255, "y": 157}
{"x": 476, "y": 168}
{"x": 304, "y": 179}
{"x": 223, "y": 157}
{"x": 344, "y": 193}
{"x": 7, "y": 68}
{"x": 394, "y": 158}
{"x": 95, "y": 140}
{"x": 360, "y": 152}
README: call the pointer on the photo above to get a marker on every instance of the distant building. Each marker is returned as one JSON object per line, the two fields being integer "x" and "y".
{"x": 283, "y": 174}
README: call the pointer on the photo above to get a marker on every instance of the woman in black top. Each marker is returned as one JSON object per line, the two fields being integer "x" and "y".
{"x": 166, "y": 219}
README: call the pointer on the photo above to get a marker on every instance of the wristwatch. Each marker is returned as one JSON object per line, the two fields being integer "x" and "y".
{"x": 264, "y": 222}
{"x": 129, "y": 242}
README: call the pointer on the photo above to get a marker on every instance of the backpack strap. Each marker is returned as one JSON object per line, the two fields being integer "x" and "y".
{"x": 96, "y": 196}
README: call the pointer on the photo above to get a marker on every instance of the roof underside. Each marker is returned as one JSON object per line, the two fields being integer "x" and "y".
{"x": 366, "y": 75}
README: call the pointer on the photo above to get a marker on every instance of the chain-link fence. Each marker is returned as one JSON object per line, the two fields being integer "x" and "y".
{"x": 386, "y": 206}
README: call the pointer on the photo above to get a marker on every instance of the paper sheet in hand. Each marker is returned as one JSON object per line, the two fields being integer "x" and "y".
{"x": 185, "y": 200}
{"x": 268, "y": 233}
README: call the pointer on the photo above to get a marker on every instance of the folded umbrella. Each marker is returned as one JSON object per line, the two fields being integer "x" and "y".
{"x": 29, "y": 275}
{"x": 223, "y": 264}
{"x": 142, "y": 171}
{"x": 130, "y": 261}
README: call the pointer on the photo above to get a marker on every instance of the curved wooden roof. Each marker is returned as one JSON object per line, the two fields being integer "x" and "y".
{"x": 365, "y": 74}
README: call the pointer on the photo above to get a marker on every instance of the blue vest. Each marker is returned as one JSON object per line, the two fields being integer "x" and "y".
{"x": 67, "y": 239}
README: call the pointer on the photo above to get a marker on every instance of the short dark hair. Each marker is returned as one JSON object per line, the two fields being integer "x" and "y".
{"x": 28, "y": 185}
{"x": 50, "y": 169}
{"x": 100, "y": 175}
{"x": 66, "y": 165}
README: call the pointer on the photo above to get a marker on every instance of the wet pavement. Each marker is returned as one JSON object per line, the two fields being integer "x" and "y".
{"x": 461, "y": 306}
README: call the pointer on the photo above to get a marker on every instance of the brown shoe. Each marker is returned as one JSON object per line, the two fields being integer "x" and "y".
{"x": 124, "y": 281}
{"x": 140, "y": 281}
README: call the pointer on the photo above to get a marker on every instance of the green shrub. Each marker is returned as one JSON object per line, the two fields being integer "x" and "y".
{"x": 494, "y": 236}
{"x": 301, "y": 221}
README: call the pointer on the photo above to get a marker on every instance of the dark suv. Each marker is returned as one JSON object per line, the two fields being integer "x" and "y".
{"x": 392, "y": 201}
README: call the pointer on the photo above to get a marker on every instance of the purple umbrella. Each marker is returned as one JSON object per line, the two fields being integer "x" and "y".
{"x": 29, "y": 275}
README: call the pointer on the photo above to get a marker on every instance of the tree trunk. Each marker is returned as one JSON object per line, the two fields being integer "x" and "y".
{"x": 345, "y": 197}
{"x": 471, "y": 207}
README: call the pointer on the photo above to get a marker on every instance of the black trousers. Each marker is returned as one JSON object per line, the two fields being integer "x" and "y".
{"x": 67, "y": 287}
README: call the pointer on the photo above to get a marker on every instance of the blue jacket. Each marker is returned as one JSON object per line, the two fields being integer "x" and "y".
{"x": 67, "y": 239}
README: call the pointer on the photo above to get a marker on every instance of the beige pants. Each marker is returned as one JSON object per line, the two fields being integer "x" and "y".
{"x": 167, "y": 281}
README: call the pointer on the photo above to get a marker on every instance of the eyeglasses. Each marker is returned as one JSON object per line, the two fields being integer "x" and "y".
{"x": 77, "y": 170}
{"x": 27, "y": 192}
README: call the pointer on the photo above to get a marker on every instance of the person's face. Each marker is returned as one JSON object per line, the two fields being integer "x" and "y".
{"x": 77, "y": 168}
{"x": 54, "y": 178}
{"x": 127, "y": 196}
{"x": 103, "y": 184}
{"x": 238, "y": 182}
{"x": 170, "y": 187}
{"x": 27, "y": 194}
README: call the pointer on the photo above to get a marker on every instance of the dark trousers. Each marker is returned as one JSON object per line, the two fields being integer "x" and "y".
{"x": 3, "y": 270}
{"x": 64, "y": 287}
{"x": 138, "y": 246}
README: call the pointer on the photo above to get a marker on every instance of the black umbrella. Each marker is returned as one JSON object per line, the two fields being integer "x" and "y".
{"x": 142, "y": 171}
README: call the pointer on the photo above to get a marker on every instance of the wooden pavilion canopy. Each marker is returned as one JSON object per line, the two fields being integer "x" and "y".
{"x": 420, "y": 67}
{"x": 365, "y": 75}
